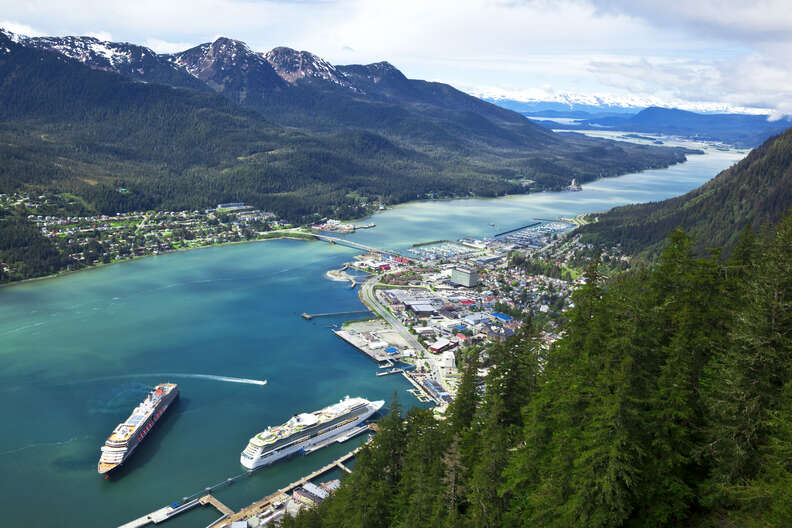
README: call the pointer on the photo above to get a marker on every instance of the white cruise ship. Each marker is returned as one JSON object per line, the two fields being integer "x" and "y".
{"x": 129, "y": 433}
{"x": 305, "y": 430}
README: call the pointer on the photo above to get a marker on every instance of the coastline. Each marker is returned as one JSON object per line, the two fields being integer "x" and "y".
{"x": 370, "y": 217}
{"x": 140, "y": 257}
{"x": 513, "y": 195}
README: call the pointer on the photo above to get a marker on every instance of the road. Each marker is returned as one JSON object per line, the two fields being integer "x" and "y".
{"x": 370, "y": 300}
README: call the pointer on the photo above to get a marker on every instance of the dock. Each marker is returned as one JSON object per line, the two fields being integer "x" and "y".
{"x": 391, "y": 371}
{"x": 270, "y": 501}
{"x": 280, "y": 496}
{"x": 378, "y": 355}
{"x": 420, "y": 390}
{"x": 163, "y": 514}
{"x": 308, "y": 316}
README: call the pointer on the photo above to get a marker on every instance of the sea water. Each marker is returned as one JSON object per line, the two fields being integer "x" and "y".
{"x": 77, "y": 353}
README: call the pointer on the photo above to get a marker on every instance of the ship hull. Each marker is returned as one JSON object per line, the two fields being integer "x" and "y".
{"x": 253, "y": 463}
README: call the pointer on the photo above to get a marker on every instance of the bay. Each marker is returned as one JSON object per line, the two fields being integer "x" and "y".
{"x": 77, "y": 353}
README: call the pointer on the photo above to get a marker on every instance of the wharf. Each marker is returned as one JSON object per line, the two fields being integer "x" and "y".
{"x": 419, "y": 390}
{"x": 280, "y": 496}
{"x": 360, "y": 344}
{"x": 308, "y": 316}
{"x": 228, "y": 515}
{"x": 163, "y": 514}
{"x": 391, "y": 371}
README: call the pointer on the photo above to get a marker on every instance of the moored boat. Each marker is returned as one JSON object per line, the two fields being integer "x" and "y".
{"x": 306, "y": 430}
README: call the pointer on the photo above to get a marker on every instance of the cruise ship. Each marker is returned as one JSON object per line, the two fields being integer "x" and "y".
{"x": 128, "y": 434}
{"x": 305, "y": 430}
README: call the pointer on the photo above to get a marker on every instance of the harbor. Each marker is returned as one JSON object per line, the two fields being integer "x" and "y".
{"x": 263, "y": 506}
{"x": 229, "y": 311}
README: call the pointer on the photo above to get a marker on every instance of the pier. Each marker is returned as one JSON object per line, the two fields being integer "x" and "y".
{"x": 379, "y": 355}
{"x": 420, "y": 392}
{"x": 391, "y": 371}
{"x": 275, "y": 499}
{"x": 280, "y": 496}
{"x": 163, "y": 514}
{"x": 420, "y": 244}
{"x": 308, "y": 316}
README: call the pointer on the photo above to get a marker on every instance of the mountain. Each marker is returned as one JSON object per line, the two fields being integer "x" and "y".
{"x": 231, "y": 68}
{"x": 301, "y": 66}
{"x": 755, "y": 192}
{"x": 740, "y": 130}
{"x": 130, "y": 60}
{"x": 301, "y": 138}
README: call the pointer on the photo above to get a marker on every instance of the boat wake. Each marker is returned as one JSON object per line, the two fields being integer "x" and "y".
{"x": 43, "y": 444}
{"x": 220, "y": 378}
{"x": 212, "y": 377}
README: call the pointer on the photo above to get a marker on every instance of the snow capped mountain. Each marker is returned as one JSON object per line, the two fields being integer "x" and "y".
{"x": 11, "y": 36}
{"x": 231, "y": 67}
{"x": 130, "y": 60}
{"x": 293, "y": 66}
{"x": 574, "y": 100}
{"x": 91, "y": 51}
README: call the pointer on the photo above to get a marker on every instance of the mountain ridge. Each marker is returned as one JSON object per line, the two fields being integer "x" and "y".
{"x": 69, "y": 127}
{"x": 756, "y": 193}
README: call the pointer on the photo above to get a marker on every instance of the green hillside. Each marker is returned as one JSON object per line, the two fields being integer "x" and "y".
{"x": 66, "y": 127}
{"x": 667, "y": 402}
{"x": 757, "y": 192}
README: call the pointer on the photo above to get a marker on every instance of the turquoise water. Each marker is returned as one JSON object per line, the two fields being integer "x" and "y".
{"x": 401, "y": 226}
{"x": 77, "y": 353}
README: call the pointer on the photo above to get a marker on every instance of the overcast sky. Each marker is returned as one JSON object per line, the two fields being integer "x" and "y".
{"x": 695, "y": 54}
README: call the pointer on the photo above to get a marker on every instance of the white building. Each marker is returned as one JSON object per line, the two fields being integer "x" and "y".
{"x": 464, "y": 277}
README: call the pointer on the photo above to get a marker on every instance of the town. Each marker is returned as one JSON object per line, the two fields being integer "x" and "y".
{"x": 449, "y": 295}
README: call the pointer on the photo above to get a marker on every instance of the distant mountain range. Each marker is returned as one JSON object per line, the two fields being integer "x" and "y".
{"x": 756, "y": 192}
{"x": 740, "y": 130}
{"x": 283, "y": 130}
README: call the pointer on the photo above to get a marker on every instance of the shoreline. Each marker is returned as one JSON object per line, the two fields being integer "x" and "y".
{"x": 141, "y": 257}
{"x": 369, "y": 217}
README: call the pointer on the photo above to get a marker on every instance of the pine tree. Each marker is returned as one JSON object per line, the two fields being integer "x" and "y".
{"x": 746, "y": 383}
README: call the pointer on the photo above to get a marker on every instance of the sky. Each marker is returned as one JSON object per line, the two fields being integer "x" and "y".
{"x": 708, "y": 55}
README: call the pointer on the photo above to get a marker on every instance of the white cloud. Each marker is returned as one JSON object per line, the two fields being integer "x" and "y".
{"x": 719, "y": 52}
{"x": 21, "y": 29}
{"x": 759, "y": 20}
{"x": 100, "y": 35}
{"x": 163, "y": 46}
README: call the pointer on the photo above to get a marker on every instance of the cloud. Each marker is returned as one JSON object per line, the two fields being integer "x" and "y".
{"x": 719, "y": 52}
{"x": 758, "y": 21}
{"x": 163, "y": 46}
{"x": 100, "y": 35}
{"x": 21, "y": 29}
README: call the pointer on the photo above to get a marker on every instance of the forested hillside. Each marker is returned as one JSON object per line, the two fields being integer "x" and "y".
{"x": 67, "y": 127}
{"x": 667, "y": 402}
{"x": 757, "y": 191}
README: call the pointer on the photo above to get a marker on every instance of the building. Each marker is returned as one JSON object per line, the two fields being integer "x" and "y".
{"x": 447, "y": 362}
{"x": 441, "y": 345}
{"x": 500, "y": 317}
{"x": 464, "y": 277}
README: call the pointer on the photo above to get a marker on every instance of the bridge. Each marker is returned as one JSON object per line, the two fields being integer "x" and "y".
{"x": 355, "y": 245}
